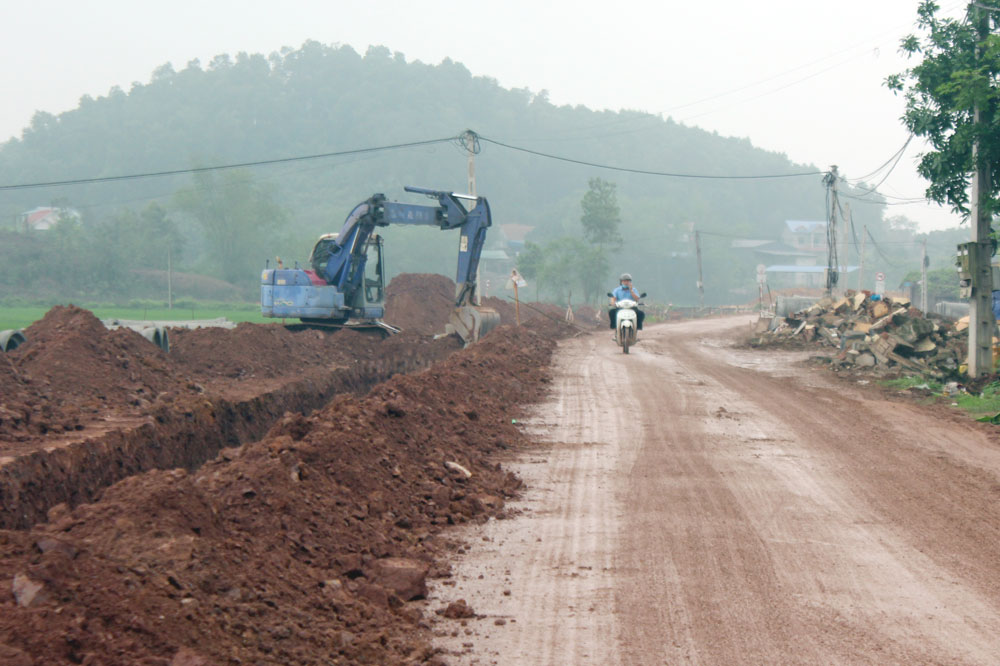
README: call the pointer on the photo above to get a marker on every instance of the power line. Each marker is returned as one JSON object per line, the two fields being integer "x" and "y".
{"x": 221, "y": 167}
{"x": 646, "y": 172}
{"x": 895, "y": 156}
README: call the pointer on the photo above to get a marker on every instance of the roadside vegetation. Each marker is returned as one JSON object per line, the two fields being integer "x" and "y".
{"x": 22, "y": 316}
{"x": 983, "y": 405}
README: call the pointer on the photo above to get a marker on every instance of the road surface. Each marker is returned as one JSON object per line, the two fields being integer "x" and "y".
{"x": 694, "y": 502}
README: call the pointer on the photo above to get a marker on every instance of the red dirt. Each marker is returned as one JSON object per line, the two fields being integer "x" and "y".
{"x": 285, "y": 550}
{"x": 269, "y": 553}
{"x": 419, "y": 303}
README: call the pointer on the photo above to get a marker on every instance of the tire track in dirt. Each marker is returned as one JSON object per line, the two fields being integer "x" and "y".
{"x": 749, "y": 513}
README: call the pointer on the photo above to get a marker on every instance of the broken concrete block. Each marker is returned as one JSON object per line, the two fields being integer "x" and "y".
{"x": 865, "y": 360}
{"x": 882, "y": 347}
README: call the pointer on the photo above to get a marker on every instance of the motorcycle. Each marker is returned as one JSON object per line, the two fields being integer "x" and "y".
{"x": 626, "y": 322}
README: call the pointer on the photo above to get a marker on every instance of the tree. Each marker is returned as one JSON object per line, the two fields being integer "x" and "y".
{"x": 239, "y": 218}
{"x": 601, "y": 215}
{"x": 957, "y": 73}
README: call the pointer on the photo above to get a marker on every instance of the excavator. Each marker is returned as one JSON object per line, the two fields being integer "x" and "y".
{"x": 345, "y": 287}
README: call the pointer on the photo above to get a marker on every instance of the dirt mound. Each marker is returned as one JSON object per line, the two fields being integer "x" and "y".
{"x": 419, "y": 302}
{"x": 72, "y": 366}
{"x": 71, "y": 353}
{"x": 303, "y": 548}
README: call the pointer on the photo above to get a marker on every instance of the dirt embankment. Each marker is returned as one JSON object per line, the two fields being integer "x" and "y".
{"x": 288, "y": 550}
{"x": 303, "y": 547}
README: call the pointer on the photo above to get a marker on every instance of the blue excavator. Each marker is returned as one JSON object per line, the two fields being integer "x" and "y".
{"x": 344, "y": 286}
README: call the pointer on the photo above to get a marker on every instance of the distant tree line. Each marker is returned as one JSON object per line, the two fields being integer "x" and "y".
{"x": 320, "y": 99}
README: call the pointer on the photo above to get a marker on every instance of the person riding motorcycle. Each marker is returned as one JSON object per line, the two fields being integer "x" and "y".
{"x": 624, "y": 291}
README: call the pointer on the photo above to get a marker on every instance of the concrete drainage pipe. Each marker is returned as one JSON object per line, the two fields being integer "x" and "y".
{"x": 158, "y": 336}
{"x": 11, "y": 339}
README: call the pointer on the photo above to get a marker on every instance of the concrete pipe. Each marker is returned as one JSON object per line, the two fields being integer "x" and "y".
{"x": 11, "y": 339}
{"x": 158, "y": 336}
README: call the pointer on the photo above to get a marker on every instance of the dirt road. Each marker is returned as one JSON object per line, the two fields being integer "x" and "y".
{"x": 699, "y": 503}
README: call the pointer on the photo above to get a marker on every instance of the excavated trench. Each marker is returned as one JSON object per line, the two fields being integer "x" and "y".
{"x": 75, "y": 470}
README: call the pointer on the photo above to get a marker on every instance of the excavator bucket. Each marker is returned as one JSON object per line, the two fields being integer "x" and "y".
{"x": 472, "y": 322}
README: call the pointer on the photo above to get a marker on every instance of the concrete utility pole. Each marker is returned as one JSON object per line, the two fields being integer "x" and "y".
{"x": 170, "y": 279}
{"x": 830, "y": 180}
{"x": 861, "y": 259}
{"x": 846, "y": 219}
{"x": 923, "y": 280}
{"x": 701, "y": 283}
{"x": 471, "y": 141}
{"x": 981, "y": 321}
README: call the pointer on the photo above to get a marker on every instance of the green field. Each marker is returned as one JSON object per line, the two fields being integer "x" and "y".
{"x": 24, "y": 316}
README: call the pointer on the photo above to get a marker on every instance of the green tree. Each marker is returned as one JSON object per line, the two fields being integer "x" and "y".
{"x": 564, "y": 266}
{"x": 239, "y": 217}
{"x": 601, "y": 215}
{"x": 958, "y": 71}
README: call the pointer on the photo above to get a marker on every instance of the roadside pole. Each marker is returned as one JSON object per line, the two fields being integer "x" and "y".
{"x": 701, "y": 283}
{"x": 861, "y": 259}
{"x": 923, "y": 280}
{"x": 471, "y": 141}
{"x": 981, "y": 320}
{"x": 514, "y": 283}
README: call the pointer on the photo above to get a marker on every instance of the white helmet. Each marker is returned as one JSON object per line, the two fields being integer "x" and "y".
{"x": 625, "y": 276}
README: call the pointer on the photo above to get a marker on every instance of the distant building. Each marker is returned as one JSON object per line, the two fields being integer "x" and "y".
{"x": 799, "y": 259}
{"x": 807, "y": 235}
{"x": 45, "y": 217}
{"x": 513, "y": 236}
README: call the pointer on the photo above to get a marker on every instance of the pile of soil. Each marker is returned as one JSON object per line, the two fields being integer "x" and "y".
{"x": 302, "y": 548}
{"x": 422, "y": 302}
{"x": 72, "y": 368}
{"x": 419, "y": 302}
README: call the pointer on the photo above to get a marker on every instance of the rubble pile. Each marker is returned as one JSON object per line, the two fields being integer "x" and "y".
{"x": 873, "y": 333}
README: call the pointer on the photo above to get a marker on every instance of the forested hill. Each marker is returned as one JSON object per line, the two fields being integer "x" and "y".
{"x": 322, "y": 99}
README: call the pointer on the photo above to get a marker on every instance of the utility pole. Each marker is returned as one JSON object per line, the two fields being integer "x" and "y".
{"x": 701, "y": 283}
{"x": 923, "y": 280}
{"x": 471, "y": 141}
{"x": 830, "y": 180}
{"x": 981, "y": 321}
{"x": 861, "y": 259}
{"x": 170, "y": 278}
{"x": 845, "y": 218}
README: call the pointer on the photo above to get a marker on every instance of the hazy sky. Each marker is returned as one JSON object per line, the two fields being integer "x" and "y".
{"x": 800, "y": 77}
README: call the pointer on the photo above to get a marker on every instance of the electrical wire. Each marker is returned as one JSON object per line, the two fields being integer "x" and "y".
{"x": 899, "y": 156}
{"x": 646, "y": 172}
{"x": 895, "y": 156}
{"x": 221, "y": 167}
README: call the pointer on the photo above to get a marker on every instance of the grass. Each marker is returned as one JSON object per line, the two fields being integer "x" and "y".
{"x": 23, "y": 316}
{"x": 984, "y": 406}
